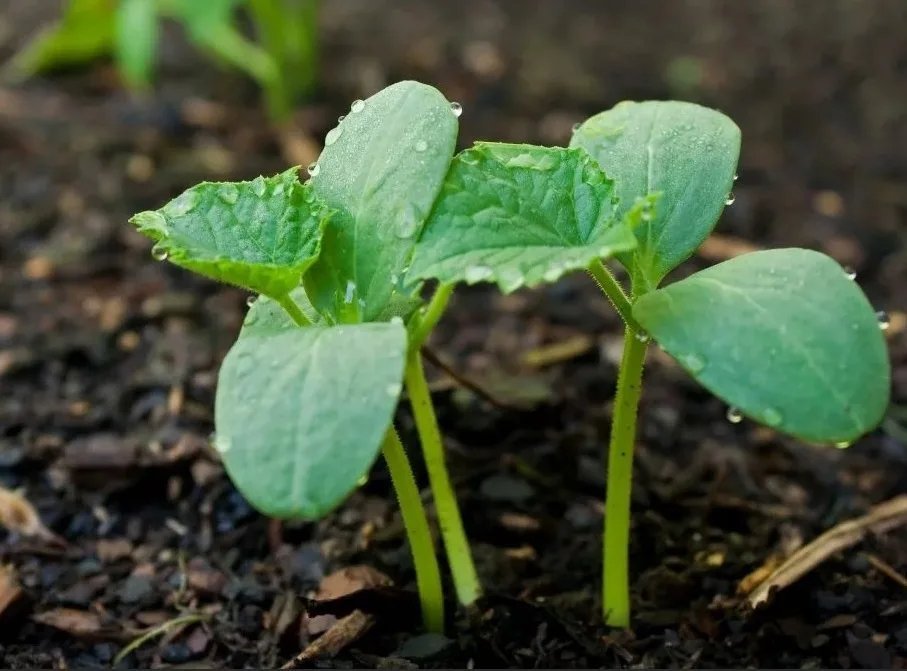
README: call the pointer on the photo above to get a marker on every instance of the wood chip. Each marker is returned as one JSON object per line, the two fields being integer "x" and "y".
{"x": 19, "y": 516}
{"x": 880, "y": 519}
{"x": 78, "y": 623}
{"x": 10, "y": 591}
{"x": 350, "y": 579}
{"x": 339, "y": 636}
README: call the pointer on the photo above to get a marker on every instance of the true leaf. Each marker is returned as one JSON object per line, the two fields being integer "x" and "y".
{"x": 261, "y": 235}
{"x": 784, "y": 336}
{"x": 381, "y": 169}
{"x": 519, "y": 215}
{"x": 301, "y": 413}
{"x": 685, "y": 152}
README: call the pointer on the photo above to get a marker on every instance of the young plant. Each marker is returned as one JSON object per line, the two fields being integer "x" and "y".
{"x": 784, "y": 336}
{"x": 306, "y": 395}
{"x": 283, "y": 63}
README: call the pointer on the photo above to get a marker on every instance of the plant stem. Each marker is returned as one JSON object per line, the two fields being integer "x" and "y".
{"x": 429, "y": 319}
{"x": 466, "y": 582}
{"x": 428, "y": 574}
{"x": 289, "y": 305}
{"x": 615, "y": 549}
{"x": 614, "y": 292}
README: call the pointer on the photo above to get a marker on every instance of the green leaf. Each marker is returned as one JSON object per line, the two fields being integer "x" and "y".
{"x": 261, "y": 235}
{"x": 381, "y": 169}
{"x": 519, "y": 215}
{"x": 136, "y": 40}
{"x": 685, "y": 152}
{"x": 301, "y": 412}
{"x": 784, "y": 336}
{"x": 266, "y": 315}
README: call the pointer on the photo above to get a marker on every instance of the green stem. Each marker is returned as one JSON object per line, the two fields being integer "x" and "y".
{"x": 614, "y": 292}
{"x": 296, "y": 314}
{"x": 428, "y": 575}
{"x": 615, "y": 550}
{"x": 429, "y": 318}
{"x": 466, "y": 582}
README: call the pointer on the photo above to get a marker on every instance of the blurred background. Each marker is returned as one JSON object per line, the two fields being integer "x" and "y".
{"x": 108, "y": 358}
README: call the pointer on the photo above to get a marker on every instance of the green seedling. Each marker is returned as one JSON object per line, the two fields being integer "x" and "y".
{"x": 283, "y": 62}
{"x": 785, "y": 337}
{"x": 306, "y": 395}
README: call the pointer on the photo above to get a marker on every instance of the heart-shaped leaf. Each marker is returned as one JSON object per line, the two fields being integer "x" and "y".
{"x": 784, "y": 336}
{"x": 301, "y": 413}
{"x": 261, "y": 235}
{"x": 685, "y": 152}
{"x": 519, "y": 215}
{"x": 381, "y": 169}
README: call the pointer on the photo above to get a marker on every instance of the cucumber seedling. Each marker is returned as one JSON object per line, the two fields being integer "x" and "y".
{"x": 785, "y": 336}
{"x": 306, "y": 395}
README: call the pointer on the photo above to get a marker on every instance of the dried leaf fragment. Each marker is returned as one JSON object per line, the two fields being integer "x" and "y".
{"x": 19, "y": 516}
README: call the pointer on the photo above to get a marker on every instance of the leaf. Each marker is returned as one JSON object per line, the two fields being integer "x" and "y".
{"x": 686, "y": 152}
{"x": 261, "y": 235}
{"x": 784, "y": 336}
{"x": 519, "y": 215}
{"x": 136, "y": 40}
{"x": 266, "y": 316}
{"x": 381, "y": 169}
{"x": 19, "y": 516}
{"x": 301, "y": 413}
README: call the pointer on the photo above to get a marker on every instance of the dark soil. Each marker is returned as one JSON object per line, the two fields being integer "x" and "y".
{"x": 108, "y": 359}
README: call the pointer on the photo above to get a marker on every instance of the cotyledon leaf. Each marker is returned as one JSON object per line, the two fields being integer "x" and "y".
{"x": 381, "y": 169}
{"x": 301, "y": 412}
{"x": 520, "y": 215}
{"x": 261, "y": 235}
{"x": 685, "y": 152}
{"x": 784, "y": 335}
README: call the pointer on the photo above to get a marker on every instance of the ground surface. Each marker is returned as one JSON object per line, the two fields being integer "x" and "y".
{"x": 108, "y": 359}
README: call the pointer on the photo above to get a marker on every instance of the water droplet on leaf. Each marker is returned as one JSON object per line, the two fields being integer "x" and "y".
{"x": 350, "y": 291}
{"x": 693, "y": 362}
{"x": 641, "y": 336}
{"x": 576, "y": 127}
{"x": 456, "y": 108}
{"x": 341, "y": 118}
{"x": 250, "y": 301}
{"x": 314, "y": 169}
{"x": 393, "y": 389}
{"x": 332, "y": 136}
{"x": 736, "y": 176}
{"x": 730, "y": 199}
{"x": 843, "y": 445}
{"x": 357, "y": 106}
{"x": 734, "y": 416}
{"x": 159, "y": 252}
{"x": 850, "y": 273}
{"x": 421, "y": 145}
{"x": 884, "y": 320}
{"x": 772, "y": 417}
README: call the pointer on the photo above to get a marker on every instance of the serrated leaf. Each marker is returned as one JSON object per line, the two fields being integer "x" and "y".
{"x": 685, "y": 152}
{"x": 301, "y": 413}
{"x": 784, "y": 336}
{"x": 261, "y": 235}
{"x": 381, "y": 169}
{"x": 519, "y": 215}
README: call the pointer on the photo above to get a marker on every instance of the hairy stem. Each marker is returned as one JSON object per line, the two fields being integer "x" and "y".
{"x": 296, "y": 314}
{"x": 428, "y": 574}
{"x": 615, "y": 293}
{"x": 459, "y": 558}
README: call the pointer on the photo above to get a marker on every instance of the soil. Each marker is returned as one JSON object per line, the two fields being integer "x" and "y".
{"x": 108, "y": 359}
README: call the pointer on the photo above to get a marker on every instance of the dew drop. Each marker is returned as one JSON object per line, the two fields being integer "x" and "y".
{"x": 478, "y": 273}
{"x": 341, "y": 118}
{"x": 363, "y": 481}
{"x": 332, "y": 136}
{"x": 314, "y": 168}
{"x": 771, "y": 417}
{"x": 849, "y": 272}
{"x": 641, "y": 336}
{"x": 350, "y": 292}
{"x": 421, "y": 145}
{"x": 222, "y": 445}
{"x": 884, "y": 320}
{"x": 228, "y": 193}
{"x": 736, "y": 176}
{"x": 576, "y": 127}
{"x": 250, "y": 301}
{"x": 159, "y": 252}
{"x": 357, "y": 106}
{"x": 843, "y": 445}
{"x": 393, "y": 389}
{"x": 734, "y": 416}
{"x": 693, "y": 362}
{"x": 730, "y": 199}
{"x": 456, "y": 108}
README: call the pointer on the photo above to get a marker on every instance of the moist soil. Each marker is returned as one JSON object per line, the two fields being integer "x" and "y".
{"x": 108, "y": 359}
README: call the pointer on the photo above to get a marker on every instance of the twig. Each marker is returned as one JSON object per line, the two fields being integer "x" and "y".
{"x": 436, "y": 361}
{"x": 343, "y": 632}
{"x": 887, "y": 570}
{"x": 159, "y": 630}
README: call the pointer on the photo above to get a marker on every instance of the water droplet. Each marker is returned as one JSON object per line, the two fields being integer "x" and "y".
{"x": 408, "y": 223}
{"x": 363, "y": 481}
{"x": 314, "y": 168}
{"x": 341, "y": 118}
{"x": 771, "y": 417}
{"x": 259, "y": 186}
{"x": 159, "y": 252}
{"x": 184, "y": 204}
{"x": 641, "y": 336}
{"x": 843, "y": 445}
{"x": 393, "y": 389}
{"x": 884, "y": 320}
{"x": 357, "y": 106}
{"x": 478, "y": 273}
{"x": 730, "y": 199}
{"x": 849, "y": 272}
{"x": 734, "y": 416}
{"x": 228, "y": 193}
{"x": 693, "y": 362}
{"x": 456, "y": 108}
{"x": 332, "y": 136}
{"x": 576, "y": 127}
{"x": 736, "y": 176}
{"x": 250, "y": 301}
{"x": 350, "y": 291}
{"x": 421, "y": 145}
{"x": 222, "y": 445}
